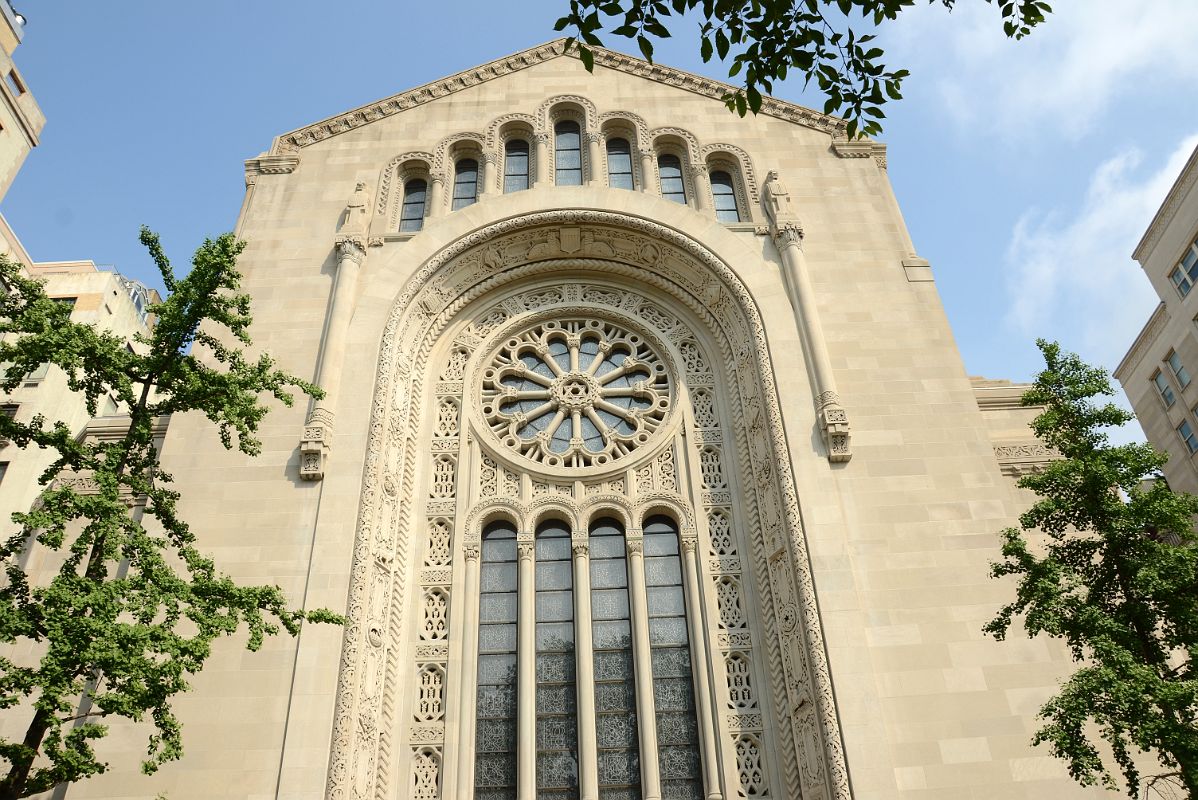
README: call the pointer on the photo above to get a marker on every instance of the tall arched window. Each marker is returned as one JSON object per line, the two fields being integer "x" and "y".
{"x": 615, "y": 688}
{"x": 411, "y": 217}
{"x": 465, "y": 183}
{"x": 673, "y": 685}
{"x": 567, "y": 147}
{"x": 557, "y": 708}
{"x": 619, "y": 164}
{"x": 515, "y": 165}
{"x": 669, "y": 168}
{"x": 495, "y": 737}
{"x": 724, "y": 194}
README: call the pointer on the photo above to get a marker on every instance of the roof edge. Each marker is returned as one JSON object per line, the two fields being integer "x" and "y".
{"x": 1164, "y": 215}
{"x": 292, "y": 141}
{"x": 1147, "y": 335}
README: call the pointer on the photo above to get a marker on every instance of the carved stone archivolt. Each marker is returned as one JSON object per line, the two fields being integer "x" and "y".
{"x": 635, "y": 265}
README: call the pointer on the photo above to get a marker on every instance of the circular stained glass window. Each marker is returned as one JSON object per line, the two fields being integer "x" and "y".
{"x": 575, "y": 393}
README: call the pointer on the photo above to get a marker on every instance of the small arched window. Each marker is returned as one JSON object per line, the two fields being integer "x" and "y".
{"x": 515, "y": 166}
{"x": 724, "y": 195}
{"x": 669, "y": 168}
{"x": 567, "y": 147}
{"x": 465, "y": 183}
{"x": 411, "y": 217}
{"x": 619, "y": 164}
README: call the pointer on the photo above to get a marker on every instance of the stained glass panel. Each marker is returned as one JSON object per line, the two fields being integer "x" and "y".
{"x": 673, "y": 689}
{"x": 556, "y": 702}
{"x": 615, "y": 694}
{"x": 495, "y": 733}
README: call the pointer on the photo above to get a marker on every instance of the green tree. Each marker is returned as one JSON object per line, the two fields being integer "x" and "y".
{"x": 1110, "y": 566}
{"x": 131, "y": 609}
{"x": 768, "y": 39}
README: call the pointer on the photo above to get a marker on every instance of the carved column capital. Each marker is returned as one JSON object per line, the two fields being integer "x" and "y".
{"x": 593, "y": 136}
{"x": 635, "y": 546}
{"x": 689, "y": 543}
{"x": 788, "y": 232}
{"x": 352, "y": 248}
{"x": 471, "y": 550}
{"x": 490, "y": 157}
{"x": 580, "y": 548}
{"x": 541, "y": 138}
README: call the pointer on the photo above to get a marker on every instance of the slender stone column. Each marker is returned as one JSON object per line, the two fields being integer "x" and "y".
{"x": 788, "y": 238}
{"x": 526, "y": 670}
{"x": 318, "y": 430}
{"x": 643, "y": 667}
{"x": 593, "y": 161}
{"x": 469, "y": 672}
{"x": 488, "y": 186}
{"x": 701, "y": 184}
{"x": 541, "y": 167}
{"x": 588, "y": 745}
{"x": 701, "y": 659}
{"x": 648, "y": 182}
{"x": 436, "y": 191}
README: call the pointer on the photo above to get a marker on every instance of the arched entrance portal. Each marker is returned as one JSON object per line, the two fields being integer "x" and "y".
{"x": 551, "y": 388}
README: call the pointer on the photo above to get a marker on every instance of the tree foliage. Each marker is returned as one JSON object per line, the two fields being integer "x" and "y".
{"x": 126, "y": 611}
{"x": 1115, "y": 575}
{"x": 768, "y": 39}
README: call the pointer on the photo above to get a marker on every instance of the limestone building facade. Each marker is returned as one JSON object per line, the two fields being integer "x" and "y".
{"x": 21, "y": 118}
{"x": 648, "y": 467}
{"x": 1156, "y": 371}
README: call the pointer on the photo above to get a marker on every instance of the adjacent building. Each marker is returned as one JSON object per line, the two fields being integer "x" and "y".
{"x": 21, "y": 120}
{"x": 97, "y": 296}
{"x": 1157, "y": 372}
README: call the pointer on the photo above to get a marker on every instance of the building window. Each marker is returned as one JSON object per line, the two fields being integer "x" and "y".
{"x": 495, "y": 736}
{"x": 673, "y": 685}
{"x": 619, "y": 164}
{"x": 557, "y": 705}
{"x": 567, "y": 146}
{"x": 10, "y": 410}
{"x": 1162, "y": 386}
{"x": 411, "y": 218}
{"x": 1187, "y": 435}
{"x": 615, "y": 688}
{"x": 724, "y": 194}
{"x": 465, "y": 183}
{"x": 669, "y": 169}
{"x": 515, "y": 166}
{"x": 3, "y": 470}
{"x": 1185, "y": 274}
{"x": 14, "y": 83}
{"x": 1179, "y": 370}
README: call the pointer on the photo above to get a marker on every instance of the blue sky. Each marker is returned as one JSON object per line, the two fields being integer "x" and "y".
{"x": 1026, "y": 171}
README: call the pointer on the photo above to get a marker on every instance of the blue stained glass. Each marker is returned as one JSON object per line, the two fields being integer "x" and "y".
{"x": 587, "y": 352}
{"x": 556, "y": 702}
{"x": 495, "y": 736}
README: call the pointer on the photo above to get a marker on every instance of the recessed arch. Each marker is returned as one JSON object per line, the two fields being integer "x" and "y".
{"x": 668, "y": 263}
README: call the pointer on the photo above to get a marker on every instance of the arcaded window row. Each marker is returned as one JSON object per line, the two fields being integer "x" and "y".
{"x": 569, "y": 164}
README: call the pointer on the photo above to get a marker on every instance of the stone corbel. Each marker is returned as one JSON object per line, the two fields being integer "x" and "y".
{"x": 269, "y": 165}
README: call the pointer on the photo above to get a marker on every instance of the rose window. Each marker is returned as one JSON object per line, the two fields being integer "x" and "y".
{"x": 575, "y": 393}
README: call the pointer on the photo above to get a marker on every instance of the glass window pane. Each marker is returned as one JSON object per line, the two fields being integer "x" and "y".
{"x": 619, "y": 164}
{"x": 495, "y": 701}
{"x": 724, "y": 195}
{"x": 669, "y": 169}
{"x": 515, "y": 166}
{"x": 465, "y": 183}
{"x": 411, "y": 217}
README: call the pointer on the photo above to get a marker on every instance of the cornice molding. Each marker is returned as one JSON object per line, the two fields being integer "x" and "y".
{"x": 293, "y": 141}
{"x": 1148, "y": 334}
{"x": 269, "y": 165}
{"x": 1168, "y": 210}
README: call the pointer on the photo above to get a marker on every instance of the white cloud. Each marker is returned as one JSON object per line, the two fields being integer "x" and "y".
{"x": 1062, "y": 77}
{"x": 1070, "y": 275}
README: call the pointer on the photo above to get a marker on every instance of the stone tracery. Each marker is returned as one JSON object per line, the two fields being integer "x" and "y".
{"x": 449, "y": 283}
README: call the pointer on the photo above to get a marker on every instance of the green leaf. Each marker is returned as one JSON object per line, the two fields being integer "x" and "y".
{"x": 721, "y": 43}
{"x": 705, "y": 49}
{"x": 587, "y": 57}
{"x": 754, "y": 99}
{"x": 646, "y": 48}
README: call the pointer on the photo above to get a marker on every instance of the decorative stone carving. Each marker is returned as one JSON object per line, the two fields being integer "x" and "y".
{"x": 634, "y": 250}
{"x": 575, "y": 393}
